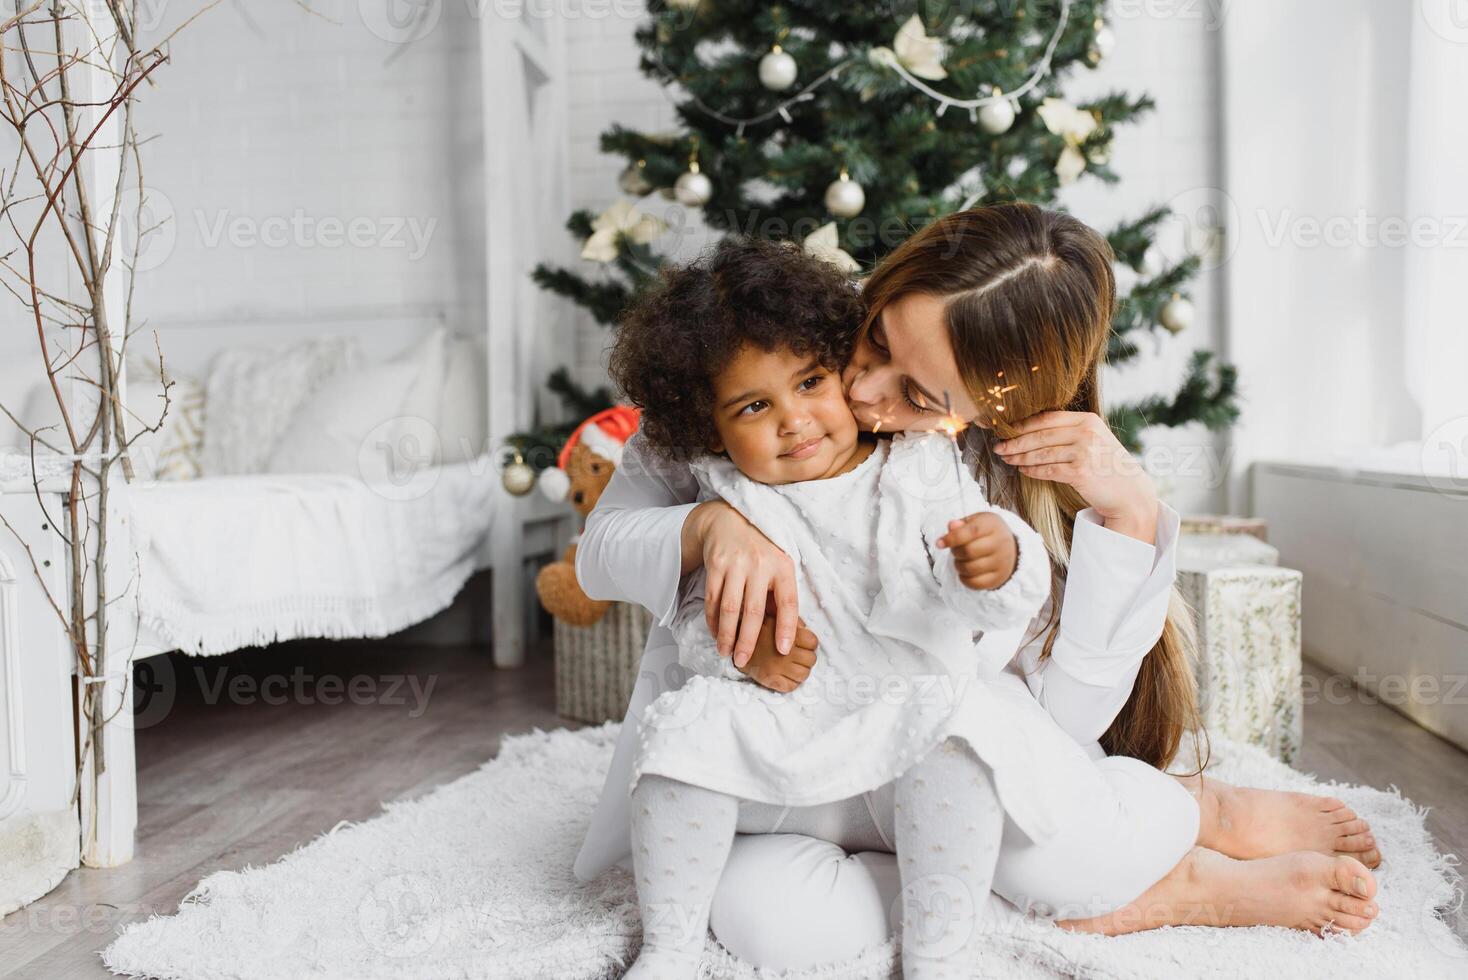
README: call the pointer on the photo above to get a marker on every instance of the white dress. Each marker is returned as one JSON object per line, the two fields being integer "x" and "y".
{"x": 1112, "y": 605}
{"x": 905, "y": 671}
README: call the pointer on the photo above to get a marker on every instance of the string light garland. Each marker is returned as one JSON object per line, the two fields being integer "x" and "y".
{"x": 806, "y": 94}
{"x": 782, "y": 109}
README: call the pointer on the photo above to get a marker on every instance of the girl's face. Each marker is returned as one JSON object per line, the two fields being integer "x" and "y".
{"x": 782, "y": 417}
{"x": 899, "y": 372}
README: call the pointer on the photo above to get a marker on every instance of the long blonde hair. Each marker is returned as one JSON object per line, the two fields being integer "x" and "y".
{"x": 1029, "y": 298}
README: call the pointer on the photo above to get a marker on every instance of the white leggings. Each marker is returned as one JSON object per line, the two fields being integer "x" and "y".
{"x": 788, "y": 901}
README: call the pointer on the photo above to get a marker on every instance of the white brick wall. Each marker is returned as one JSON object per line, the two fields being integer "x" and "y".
{"x": 1169, "y": 50}
{"x": 287, "y": 117}
{"x": 281, "y": 133}
{"x": 605, "y": 86}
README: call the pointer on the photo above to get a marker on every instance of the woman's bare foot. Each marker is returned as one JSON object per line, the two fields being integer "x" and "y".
{"x": 1257, "y": 823}
{"x": 1303, "y": 890}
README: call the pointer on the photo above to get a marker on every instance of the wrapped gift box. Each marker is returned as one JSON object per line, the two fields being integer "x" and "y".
{"x": 596, "y": 666}
{"x": 1248, "y": 615}
{"x": 1202, "y": 551}
{"x": 1221, "y": 524}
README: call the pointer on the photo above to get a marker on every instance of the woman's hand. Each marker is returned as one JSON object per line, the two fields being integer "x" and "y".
{"x": 984, "y": 550}
{"x": 780, "y": 671}
{"x": 746, "y": 572}
{"x": 1080, "y": 449}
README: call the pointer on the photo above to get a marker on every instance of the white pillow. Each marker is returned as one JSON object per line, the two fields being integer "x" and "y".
{"x": 376, "y": 421}
{"x": 252, "y": 397}
{"x": 175, "y": 451}
{"x": 464, "y": 423}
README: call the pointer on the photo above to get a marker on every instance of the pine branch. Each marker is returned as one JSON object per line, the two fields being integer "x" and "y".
{"x": 1142, "y": 309}
{"x": 1208, "y": 394}
{"x": 579, "y": 403}
{"x": 541, "y": 445}
{"x": 605, "y": 301}
{"x": 1131, "y": 240}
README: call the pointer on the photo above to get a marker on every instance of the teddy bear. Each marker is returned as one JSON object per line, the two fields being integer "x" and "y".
{"x": 584, "y": 469}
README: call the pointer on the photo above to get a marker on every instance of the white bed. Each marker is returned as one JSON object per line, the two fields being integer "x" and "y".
{"x": 258, "y": 548}
{"x": 323, "y": 479}
{"x": 237, "y": 561}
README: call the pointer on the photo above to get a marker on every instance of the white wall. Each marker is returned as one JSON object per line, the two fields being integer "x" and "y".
{"x": 282, "y": 134}
{"x": 1171, "y": 155}
{"x": 1317, "y": 97}
{"x": 605, "y": 86}
{"x": 1169, "y": 50}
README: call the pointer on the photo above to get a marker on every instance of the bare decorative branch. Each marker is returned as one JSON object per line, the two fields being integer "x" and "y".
{"x": 70, "y": 71}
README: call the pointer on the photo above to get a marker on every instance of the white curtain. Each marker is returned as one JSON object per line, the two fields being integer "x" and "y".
{"x": 1343, "y": 124}
{"x": 1435, "y": 283}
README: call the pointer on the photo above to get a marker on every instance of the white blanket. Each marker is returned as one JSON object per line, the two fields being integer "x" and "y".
{"x": 237, "y": 561}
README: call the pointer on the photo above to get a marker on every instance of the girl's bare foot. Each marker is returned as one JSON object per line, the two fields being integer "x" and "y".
{"x": 1304, "y": 890}
{"x": 1257, "y": 823}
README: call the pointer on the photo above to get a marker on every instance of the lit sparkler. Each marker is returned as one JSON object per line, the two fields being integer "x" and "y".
{"x": 953, "y": 425}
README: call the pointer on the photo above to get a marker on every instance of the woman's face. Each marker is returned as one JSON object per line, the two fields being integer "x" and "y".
{"x": 900, "y": 371}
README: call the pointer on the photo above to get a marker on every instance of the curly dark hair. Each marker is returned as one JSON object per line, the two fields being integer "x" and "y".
{"x": 673, "y": 342}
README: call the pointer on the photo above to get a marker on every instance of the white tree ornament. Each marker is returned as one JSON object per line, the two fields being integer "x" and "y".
{"x": 618, "y": 220}
{"x": 1075, "y": 126}
{"x": 825, "y": 244}
{"x": 777, "y": 70}
{"x": 914, "y": 50}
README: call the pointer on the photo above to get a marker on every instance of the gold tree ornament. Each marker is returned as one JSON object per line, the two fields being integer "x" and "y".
{"x": 1177, "y": 315}
{"x": 634, "y": 180}
{"x": 518, "y": 477}
{"x": 693, "y": 188}
{"x": 845, "y": 197}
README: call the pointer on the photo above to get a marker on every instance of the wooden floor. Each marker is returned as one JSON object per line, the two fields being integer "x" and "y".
{"x": 229, "y": 779}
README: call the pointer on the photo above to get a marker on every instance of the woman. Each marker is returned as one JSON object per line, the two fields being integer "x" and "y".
{"x": 1107, "y": 658}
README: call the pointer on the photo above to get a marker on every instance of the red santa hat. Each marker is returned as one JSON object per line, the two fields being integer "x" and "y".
{"x": 605, "y": 433}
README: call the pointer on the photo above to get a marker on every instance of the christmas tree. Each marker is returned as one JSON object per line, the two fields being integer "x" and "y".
{"x": 847, "y": 127}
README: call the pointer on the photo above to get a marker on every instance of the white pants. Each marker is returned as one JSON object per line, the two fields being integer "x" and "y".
{"x": 789, "y": 900}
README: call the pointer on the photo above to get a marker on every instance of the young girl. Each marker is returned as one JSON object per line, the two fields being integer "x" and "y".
{"x": 745, "y": 382}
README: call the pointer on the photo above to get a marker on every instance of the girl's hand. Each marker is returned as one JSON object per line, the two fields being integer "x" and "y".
{"x": 984, "y": 550}
{"x": 781, "y": 672}
{"x": 746, "y": 572}
{"x": 1080, "y": 449}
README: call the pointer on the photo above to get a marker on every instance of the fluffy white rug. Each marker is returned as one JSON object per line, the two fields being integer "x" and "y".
{"x": 474, "y": 881}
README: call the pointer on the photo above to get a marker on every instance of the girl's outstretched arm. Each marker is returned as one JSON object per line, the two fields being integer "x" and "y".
{"x": 992, "y": 568}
